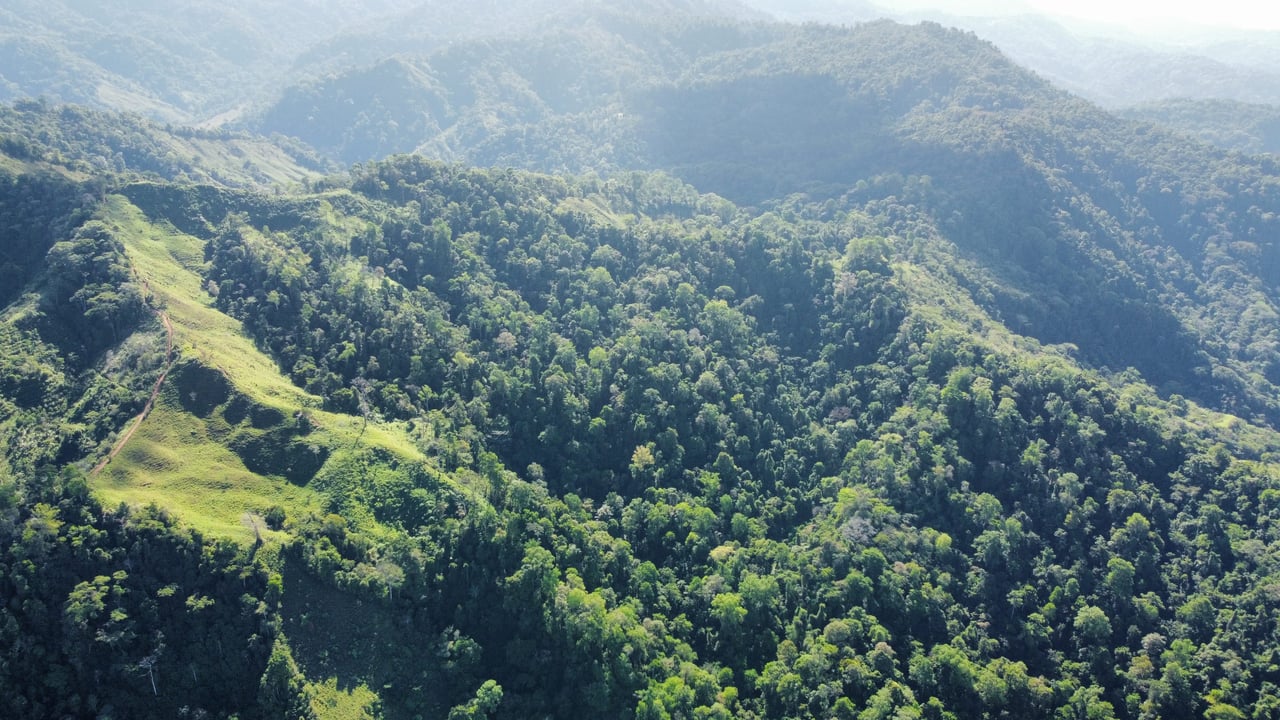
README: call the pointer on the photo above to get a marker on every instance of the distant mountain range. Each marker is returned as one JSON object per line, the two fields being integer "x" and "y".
{"x": 1111, "y": 66}
{"x": 225, "y": 59}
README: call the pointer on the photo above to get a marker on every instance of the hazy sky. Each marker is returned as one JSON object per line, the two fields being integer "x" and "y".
{"x": 1252, "y": 14}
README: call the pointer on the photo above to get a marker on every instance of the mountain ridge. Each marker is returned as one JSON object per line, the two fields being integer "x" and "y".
{"x": 822, "y": 110}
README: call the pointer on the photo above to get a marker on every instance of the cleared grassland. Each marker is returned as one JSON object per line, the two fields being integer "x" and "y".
{"x": 180, "y": 461}
{"x": 172, "y": 463}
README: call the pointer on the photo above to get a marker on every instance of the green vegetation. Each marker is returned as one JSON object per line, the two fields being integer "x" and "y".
{"x": 587, "y": 420}
{"x": 119, "y": 611}
{"x": 966, "y": 409}
{"x": 1045, "y": 192}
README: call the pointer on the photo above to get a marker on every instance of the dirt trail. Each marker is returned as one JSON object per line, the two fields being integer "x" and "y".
{"x": 151, "y": 401}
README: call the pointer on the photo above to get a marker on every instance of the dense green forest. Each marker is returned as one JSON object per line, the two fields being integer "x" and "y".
{"x": 852, "y": 373}
{"x": 710, "y": 461}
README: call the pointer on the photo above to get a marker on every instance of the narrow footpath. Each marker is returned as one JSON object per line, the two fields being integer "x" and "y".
{"x": 155, "y": 393}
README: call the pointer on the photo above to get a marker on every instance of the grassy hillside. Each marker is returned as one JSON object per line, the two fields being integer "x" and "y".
{"x": 231, "y": 437}
{"x": 230, "y": 449}
{"x": 174, "y": 459}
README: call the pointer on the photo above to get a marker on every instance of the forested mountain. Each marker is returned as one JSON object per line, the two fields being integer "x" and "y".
{"x": 835, "y": 373}
{"x": 87, "y": 142}
{"x": 212, "y": 63}
{"x": 1049, "y": 192}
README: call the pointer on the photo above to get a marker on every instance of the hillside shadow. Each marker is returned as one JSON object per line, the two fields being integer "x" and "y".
{"x": 750, "y": 139}
{"x": 1060, "y": 277}
{"x": 361, "y": 641}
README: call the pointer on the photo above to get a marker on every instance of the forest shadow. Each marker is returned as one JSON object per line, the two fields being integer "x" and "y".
{"x": 359, "y": 641}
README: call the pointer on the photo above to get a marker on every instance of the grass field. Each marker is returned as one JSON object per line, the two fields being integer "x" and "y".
{"x": 173, "y": 463}
{"x": 331, "y": 702}
{"x": 178, "y": 460}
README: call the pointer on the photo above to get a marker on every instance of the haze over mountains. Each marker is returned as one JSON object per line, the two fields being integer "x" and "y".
{"x": 1111, "y": 64}
{"x": 223, "y": 58}
{"x": 693, "y": 365}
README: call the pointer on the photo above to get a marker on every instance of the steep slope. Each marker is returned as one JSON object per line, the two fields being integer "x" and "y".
{"x": 1108, "y": 64}
{"x": 548, "y": 95}
{"x": 106, "y": 609}
{"x": 198, "y": 61}
{"x": 106, "y": 306}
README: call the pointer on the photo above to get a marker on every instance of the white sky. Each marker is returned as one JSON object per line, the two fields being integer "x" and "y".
{"x": 1136, "y": 14}
{"x": 1250, "y": 14}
